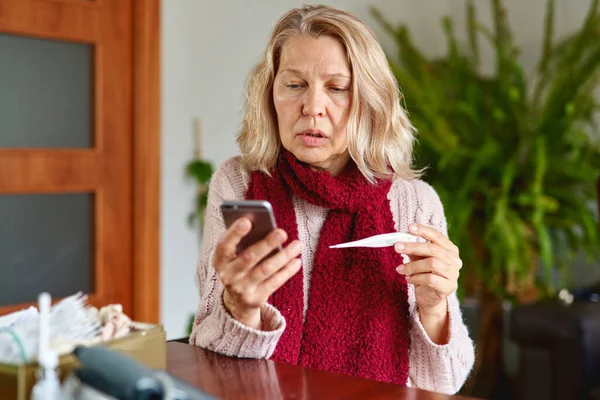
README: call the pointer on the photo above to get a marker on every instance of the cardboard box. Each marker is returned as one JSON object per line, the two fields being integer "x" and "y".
{"x": 148, "y": 346}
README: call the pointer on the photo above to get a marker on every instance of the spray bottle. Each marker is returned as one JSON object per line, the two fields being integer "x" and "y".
{"x": 48, "y": 385}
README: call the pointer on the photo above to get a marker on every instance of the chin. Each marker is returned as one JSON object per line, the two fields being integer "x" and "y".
{"x": 309, "y": 156}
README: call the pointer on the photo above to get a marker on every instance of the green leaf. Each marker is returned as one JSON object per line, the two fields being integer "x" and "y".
{"x": 546, "y": 254}
{"x": 547, "y": 38}
{"x": 200, "y": 170}
{"x": 472, "y": 32}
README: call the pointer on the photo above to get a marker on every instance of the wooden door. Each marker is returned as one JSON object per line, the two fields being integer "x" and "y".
{"x": 68, "y": 154}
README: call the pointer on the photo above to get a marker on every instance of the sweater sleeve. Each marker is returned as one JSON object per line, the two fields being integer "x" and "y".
{"x": 439, "y": 368}
{"x": 214, "y": 328}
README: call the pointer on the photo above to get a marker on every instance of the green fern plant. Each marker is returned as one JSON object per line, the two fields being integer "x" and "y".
{"x": 514, "y": 158}
{"x": 200, "y": 171}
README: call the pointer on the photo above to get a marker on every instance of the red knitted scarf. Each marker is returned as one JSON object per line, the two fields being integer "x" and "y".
{"x": 357, "y": 321}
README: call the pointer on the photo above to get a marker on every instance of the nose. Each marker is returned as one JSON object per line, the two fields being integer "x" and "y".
{"x": 314, "y": 104}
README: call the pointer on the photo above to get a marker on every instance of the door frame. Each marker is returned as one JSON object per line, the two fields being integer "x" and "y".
{"x": 146, "y": 161}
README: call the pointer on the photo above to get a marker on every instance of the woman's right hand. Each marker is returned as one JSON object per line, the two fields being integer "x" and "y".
{"x": 248, "y": 283}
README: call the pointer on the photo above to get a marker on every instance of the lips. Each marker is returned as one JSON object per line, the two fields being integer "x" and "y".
{"x": 312, "y": 137}
{"x": 314, "y": 133}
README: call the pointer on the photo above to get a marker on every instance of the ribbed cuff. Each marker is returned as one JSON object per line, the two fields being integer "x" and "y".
{"x": 441, "y": 367}
{"x": 239, "y": 340}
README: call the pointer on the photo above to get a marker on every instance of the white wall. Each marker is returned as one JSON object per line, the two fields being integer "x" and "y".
{"x": 208, "y": 48}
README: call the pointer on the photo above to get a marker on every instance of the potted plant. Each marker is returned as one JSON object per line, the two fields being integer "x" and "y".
{"x": 514, "y": 159}
{"x": 200, "y": 171}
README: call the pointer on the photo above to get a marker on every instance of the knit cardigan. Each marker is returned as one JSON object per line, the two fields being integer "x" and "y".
{"x": 440, "y": 368}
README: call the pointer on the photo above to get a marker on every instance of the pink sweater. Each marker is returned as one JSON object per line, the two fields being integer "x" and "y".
{"x": 439, "y": 368}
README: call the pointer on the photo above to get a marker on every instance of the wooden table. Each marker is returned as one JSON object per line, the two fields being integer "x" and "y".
{"x": 232, "y": 378}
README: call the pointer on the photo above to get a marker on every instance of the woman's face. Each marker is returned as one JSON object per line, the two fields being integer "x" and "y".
{"x": 312, "y": 96}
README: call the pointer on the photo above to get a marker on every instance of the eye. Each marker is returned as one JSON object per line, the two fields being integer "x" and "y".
{"x": 338, "y": 89}
{"x": 292, "y": 85}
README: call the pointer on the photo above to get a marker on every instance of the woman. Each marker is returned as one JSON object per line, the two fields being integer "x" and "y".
{"x": 324, "y": 139}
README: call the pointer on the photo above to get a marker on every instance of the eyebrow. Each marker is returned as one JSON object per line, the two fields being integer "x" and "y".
{"x": 334, "y": 75}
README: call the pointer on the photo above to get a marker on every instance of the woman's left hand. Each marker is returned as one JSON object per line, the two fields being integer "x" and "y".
{"x": 433, "y": 269}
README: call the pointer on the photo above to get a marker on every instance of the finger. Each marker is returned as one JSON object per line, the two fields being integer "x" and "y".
{"x": 258, "y": 251}
{"x": 227, "y": 244}
{"x": 432, "y": 235}
{"x": 433, "y": 281}
{"x": 279, "y": 278}
{"x": 427, "y": 249}
{"x": 270, "y": 266}
{"x": 429, "y": 265}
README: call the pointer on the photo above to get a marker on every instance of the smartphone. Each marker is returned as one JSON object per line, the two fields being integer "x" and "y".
{"x": 260, "y": 214}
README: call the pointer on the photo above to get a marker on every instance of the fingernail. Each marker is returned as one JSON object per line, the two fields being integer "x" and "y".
{"x": 297, "y": 246}
{"x": 280, "y": 236}
{"x": 413, "y": 227}
{"x": 400, "y": 269}
{"x": 243, "y": 225}
{"x": 399, "y": 247}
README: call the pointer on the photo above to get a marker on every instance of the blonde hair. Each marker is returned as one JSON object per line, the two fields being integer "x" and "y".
{"x": 380, "y": 135}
